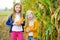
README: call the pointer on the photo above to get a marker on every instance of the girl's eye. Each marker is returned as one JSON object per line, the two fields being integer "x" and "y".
{"x": 17, "y": 7}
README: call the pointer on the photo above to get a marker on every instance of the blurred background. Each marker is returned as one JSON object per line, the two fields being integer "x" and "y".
{"x": 47, "y": 13}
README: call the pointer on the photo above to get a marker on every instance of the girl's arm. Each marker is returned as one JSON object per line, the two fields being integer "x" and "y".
{"x": 25, "y": 28}
{"x": 9, "y": 22}
{"x": 35, "y": 26}
{"x": 23, "y": 24}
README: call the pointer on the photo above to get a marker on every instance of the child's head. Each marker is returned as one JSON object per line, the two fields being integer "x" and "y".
{"x": 17, "y": 8}
{"x": 29, "y": 15}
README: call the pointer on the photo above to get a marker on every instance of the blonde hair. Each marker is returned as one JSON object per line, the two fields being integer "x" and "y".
{"x": 26, "y": 18}
{"x": 14, "y": 12}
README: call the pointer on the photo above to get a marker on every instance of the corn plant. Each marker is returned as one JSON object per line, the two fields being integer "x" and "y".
{"x": 47, "y": 14}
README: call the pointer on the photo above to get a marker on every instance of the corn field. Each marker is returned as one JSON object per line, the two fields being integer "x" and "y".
{"x": 47, "y": 13}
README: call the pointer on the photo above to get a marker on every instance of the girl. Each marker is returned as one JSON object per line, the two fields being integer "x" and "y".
{"x": 16, "y": 27}
{"x": 31, "y": 26}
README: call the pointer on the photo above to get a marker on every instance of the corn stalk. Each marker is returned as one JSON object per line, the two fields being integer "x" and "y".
{"x": 46, "y": 11}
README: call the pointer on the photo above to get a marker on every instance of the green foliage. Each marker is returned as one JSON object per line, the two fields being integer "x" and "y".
{"x": 42, "y": 11}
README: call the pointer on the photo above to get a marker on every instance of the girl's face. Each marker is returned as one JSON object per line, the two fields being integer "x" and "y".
{"x": 29, "y": 15}
{"x": 17, "y": 8}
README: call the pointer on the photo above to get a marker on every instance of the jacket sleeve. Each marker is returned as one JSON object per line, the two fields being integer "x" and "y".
{"x": 9, "y": 22}
{"x": 35, "y": 26}
{"x": 25, "y": 28}
{"x": 24, "y": 21}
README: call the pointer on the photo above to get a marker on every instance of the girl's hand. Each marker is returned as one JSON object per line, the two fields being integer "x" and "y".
{"x": 14, "y": 24}
{"x": 17, "y": 24}
{"x": 28, "y": 30}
